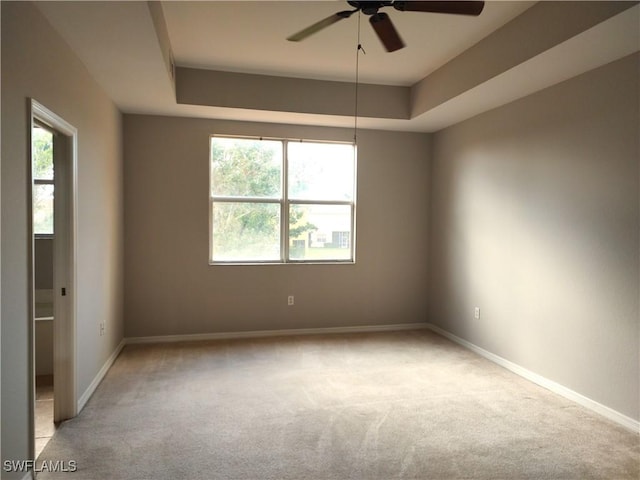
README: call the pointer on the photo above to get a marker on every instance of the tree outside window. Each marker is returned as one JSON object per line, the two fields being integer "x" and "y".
{"x": 42, "y": 158}
{"x": 272, "y": 200}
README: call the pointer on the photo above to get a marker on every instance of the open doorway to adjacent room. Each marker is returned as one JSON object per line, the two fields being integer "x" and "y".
{"x": 43, "y": 238}
{"x": 52, "y": 267}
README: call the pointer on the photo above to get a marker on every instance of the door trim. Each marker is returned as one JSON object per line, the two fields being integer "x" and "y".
{"x": 65, "y": 231}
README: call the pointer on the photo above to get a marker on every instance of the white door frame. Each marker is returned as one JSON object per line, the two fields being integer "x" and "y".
{"x": 64, "y": 255}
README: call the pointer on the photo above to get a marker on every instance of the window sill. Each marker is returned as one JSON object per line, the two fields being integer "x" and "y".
{"x": 328, "y": 262}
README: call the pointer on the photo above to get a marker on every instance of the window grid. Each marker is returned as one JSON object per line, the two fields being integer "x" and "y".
{"x": 284, "y": 212}
{"x": 285, "y": 204}
{"x": 43, "y": 180}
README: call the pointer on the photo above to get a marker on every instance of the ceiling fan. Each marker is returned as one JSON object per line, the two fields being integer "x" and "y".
{"x": 381, "y": 22}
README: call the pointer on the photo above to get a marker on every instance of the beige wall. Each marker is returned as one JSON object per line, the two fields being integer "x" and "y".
{"x": 44, "y": 347}
{"x": 281, "y": 94}
{"x": 43, "y": 280}
{"x": 43, "y": 262}
{"x": 171, "y": 289}
{"x": 37, "y": 63}
{"x": 535, "y": 219}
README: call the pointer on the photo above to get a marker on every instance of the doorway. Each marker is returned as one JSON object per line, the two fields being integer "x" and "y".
{"x": 43, "y": 239}
{"x": 53, "y": 145}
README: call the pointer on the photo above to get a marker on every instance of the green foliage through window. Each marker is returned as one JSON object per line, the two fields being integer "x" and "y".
{"x": 42, "y": 158}
{"x": 250, "y": 168}
{"x": 252, "y": 209}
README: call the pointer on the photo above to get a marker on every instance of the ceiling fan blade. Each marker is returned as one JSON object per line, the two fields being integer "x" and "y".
{"x": 387, "y": 33}
{"x": 316, "y": 27}
{"x": 455, "y": 7}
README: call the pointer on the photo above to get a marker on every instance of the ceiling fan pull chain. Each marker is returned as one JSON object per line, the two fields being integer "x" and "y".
{"x": 355, "y": 113}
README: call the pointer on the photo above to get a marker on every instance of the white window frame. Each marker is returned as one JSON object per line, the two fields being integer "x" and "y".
{"x": 37, "y": 181}
{"x": 44, "y": 181}
{"x": 285, "y": 204}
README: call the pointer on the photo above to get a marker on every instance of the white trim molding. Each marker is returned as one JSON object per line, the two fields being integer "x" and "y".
{"x": 277, "y": 333}
{"x": 82, "y": 401}
{"x": 621, "y": 419}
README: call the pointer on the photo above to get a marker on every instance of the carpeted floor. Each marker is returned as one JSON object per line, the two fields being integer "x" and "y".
{"x": 358, "y": 406}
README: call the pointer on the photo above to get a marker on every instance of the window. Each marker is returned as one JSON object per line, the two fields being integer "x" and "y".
{"x": 281, "y": 201}
{"x": 42, "y": 157}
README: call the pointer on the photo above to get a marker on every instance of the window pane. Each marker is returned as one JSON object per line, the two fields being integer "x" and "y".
{"x": 320, "y": 232}
{"x": 245, "y": 231}
{"x": 320, "y": 171}
{"x": 42, "y": 151}
{"x": 43, "y": 209}
{"x": 244, "y": 167}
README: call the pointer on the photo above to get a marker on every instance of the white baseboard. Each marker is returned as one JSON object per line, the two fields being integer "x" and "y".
{"x": 276, "y": 333}
{"x": 84, "y": 398}
{"x": 557, "y": 388}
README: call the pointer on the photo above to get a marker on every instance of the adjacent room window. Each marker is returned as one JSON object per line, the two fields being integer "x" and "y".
{"x": 281, "y": 201}
{"x": 42, "y": 157}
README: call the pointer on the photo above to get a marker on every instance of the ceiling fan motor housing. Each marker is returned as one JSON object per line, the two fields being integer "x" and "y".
{"x": 369, "y": 8}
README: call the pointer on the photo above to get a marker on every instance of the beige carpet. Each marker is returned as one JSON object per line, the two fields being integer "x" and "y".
{"x": 361, "y": 406}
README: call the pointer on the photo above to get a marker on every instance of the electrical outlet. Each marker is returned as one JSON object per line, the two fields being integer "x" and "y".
{"x": 101, "y": 329}
{"x": 476, "y": 313}
{"x": 290, "y": 300}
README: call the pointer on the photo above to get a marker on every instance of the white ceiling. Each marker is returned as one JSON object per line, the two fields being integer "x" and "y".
{"x": 118, "y": 43}
{"x": 250, "y": 37}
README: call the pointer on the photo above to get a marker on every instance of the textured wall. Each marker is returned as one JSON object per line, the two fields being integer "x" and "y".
{"x": 535, "y": 219}
{"x": 171, "y": 289}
